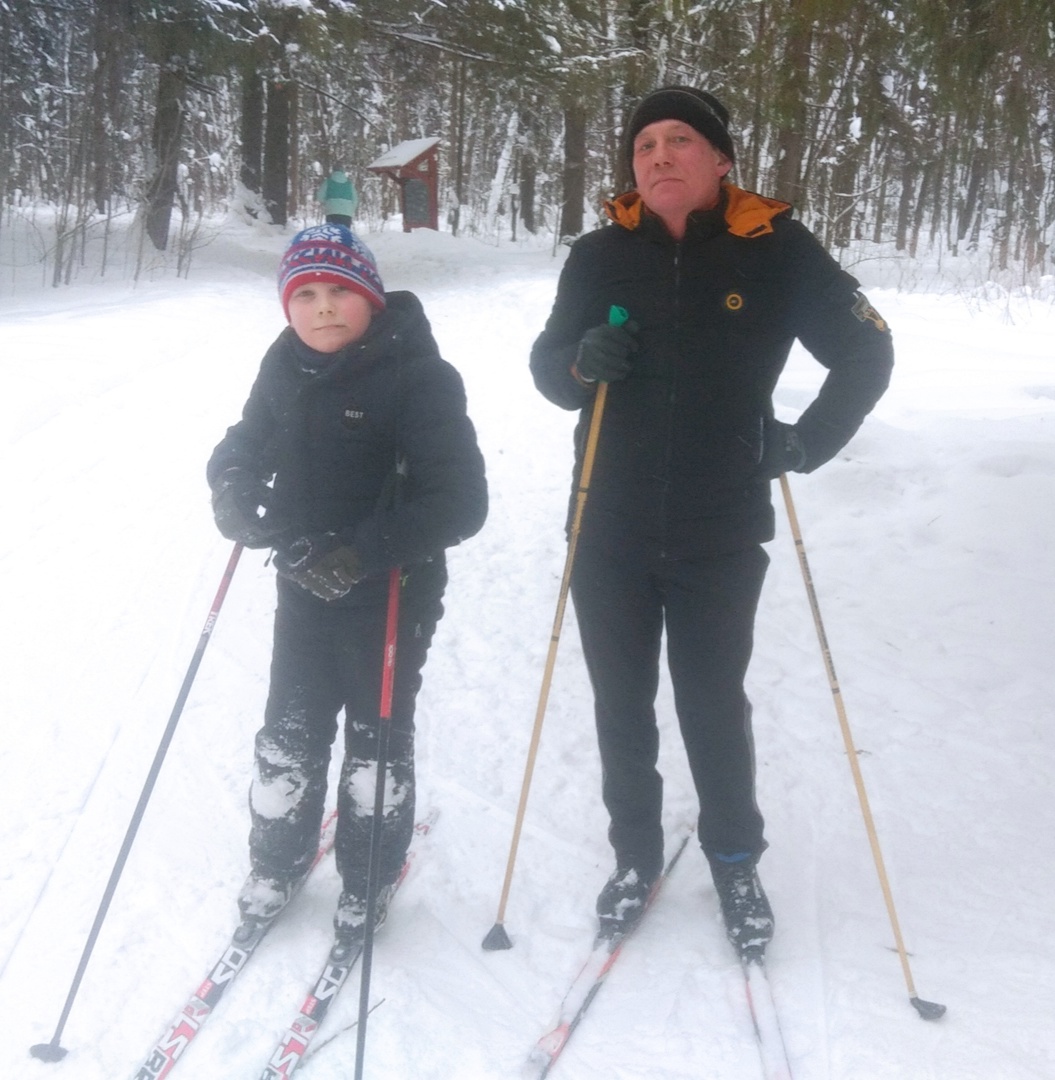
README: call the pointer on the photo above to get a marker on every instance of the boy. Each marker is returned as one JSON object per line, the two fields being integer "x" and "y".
{"x": 354, "y": 455}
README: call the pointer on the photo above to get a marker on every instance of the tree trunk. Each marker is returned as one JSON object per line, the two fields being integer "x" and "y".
{"x": 843, "y": 199}
{"x": 904, "y": 208}
{"x": 794, "y": 92}
{"x": 748, "y": 168}
{"x": 1032, "y": 223}
{"x": 639, "y": 81}
{"x": 110, "y": 46}
{"x": 458, "y": 80}
{"x": 573, "y": 176}
{"x": 167, "y": 137}
{"x": 528, "y": 167}
{"x": 975, "y": 185}
{"x": 275, "y": 181}
{"x": 280, "y": 118}
{"x": 252, "y": 128}
{"x": 294, "y": 147}
{"x": 528, "y": 191}
{"x": 880, "y": 219}
{"x": 930, "y": 169}
{"x": 1003, "y": 229}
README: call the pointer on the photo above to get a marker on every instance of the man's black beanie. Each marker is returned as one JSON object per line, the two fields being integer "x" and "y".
{"x": 697, "y": 108}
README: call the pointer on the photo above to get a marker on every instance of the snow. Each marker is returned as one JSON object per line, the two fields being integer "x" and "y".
{"x": 929, "y": 542}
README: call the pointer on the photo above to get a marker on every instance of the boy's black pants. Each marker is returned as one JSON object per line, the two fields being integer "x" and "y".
{"x": 625, "y": 594}
{"x": 328, "y": 657}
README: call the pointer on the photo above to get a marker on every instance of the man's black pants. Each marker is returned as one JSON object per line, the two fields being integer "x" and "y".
{"x": 624, "y": 596}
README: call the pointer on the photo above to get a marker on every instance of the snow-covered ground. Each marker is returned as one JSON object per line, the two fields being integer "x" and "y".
{"x": 930, "y": 544}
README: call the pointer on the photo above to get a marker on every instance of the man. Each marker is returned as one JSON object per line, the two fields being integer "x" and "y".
{"x": 718, "y": 283}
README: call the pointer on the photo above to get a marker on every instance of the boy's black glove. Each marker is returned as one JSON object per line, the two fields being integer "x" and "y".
{"x": 605, "y": 351}
{"x": 321, "y": 564}
{"x": 782, "y": 450}
{"x": 237, "y": 498}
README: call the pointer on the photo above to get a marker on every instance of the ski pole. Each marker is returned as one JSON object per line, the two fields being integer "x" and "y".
{"x": 52, "y": 1051}
{"x": 497, "y": 938}
{"x": 929, "y": 1010}
{"x": 388, "y": 674}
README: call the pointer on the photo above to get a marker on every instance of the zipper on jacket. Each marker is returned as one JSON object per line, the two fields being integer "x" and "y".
{"x": 672, "y": 395}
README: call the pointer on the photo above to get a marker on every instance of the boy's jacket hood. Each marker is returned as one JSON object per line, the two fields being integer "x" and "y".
{"x": 746, "y": 214}
{"x": 402, "y": 328}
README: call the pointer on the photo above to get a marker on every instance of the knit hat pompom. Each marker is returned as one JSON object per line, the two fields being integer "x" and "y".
{"x": 697, "y": 108}
{"x": 332, "y": 255}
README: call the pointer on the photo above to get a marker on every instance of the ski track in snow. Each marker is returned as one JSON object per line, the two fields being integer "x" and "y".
{"x": 929, "y": 543}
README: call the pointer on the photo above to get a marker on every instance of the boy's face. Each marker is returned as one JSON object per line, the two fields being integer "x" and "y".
{"x": 327, "y": 317}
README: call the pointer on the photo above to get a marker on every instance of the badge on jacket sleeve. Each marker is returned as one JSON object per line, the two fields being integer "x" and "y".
{"x": 866, "y": 313}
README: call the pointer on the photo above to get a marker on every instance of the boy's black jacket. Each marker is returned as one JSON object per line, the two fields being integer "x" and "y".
{"x": 331, "y": 440}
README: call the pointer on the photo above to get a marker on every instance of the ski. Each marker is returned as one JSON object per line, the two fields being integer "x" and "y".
{"x": 293, "y": 1046}
{"x": 766, "y": 1023}
{"x": 167, "y": 1051}
{"x": 587, "y": 984}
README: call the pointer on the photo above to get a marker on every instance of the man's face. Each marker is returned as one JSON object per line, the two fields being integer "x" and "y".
{"x": 677, "y": 170}
{"x": 327, "y": 317}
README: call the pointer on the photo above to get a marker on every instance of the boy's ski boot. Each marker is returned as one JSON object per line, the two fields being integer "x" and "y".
{"x": 349, "y": 923}
{"x": 261, "y": 899}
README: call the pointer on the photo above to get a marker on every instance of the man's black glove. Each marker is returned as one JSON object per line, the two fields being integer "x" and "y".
{"x": 321, "y": 564}
{"x": 782, "y": 450}
{"x": 605, "y": 351}
{"x": 237, "y": 499}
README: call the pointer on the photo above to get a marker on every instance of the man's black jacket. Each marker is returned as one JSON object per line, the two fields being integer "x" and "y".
{"x": 718, "y": 313}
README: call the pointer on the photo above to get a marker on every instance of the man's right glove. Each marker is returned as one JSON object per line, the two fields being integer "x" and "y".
{"x": 604, "y": 353}
{"x": 237, "y": 498}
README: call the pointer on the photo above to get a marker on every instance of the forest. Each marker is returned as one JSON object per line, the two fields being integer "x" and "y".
{"x": 916, "y": 130}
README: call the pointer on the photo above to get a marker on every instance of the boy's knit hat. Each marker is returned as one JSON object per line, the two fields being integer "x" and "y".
{"x": 330, "y": 254}
{"x": 697, "y": 108}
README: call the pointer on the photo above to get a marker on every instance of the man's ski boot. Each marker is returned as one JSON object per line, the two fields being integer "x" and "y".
{"x": 622, "y": 901}
{"x": 745, "y": 907}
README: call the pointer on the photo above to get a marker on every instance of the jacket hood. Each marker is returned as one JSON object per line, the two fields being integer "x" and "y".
{"x": 746, "y": 214}
{"x": 401, "y": 328}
